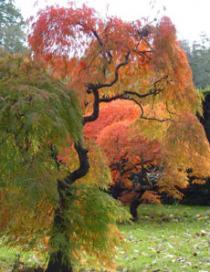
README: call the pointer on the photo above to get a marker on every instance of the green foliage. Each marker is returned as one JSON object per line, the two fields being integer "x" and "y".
{"x": 12, "y": 36}
{"x": 204, "y": 91}
{"x": 91, "y": 235}
{"x": 91, "y": 225}
{"x": 35, "y": 112}
{"x": 94, "y": 234}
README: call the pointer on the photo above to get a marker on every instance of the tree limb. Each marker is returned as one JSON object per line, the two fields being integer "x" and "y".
{"x": 106, "y": 53}
{"x": 82, "y": 169}
{"x": 95, "y": 112}
{"x": 98, "y": 86}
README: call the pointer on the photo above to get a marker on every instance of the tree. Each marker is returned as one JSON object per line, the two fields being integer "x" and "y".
{"x": 130, "y": 155}
{"x": 11, "y": 27}
{"x": 37, "y": 114}
{"x": 199, "y": 59}
{"x": 109, "y": 59}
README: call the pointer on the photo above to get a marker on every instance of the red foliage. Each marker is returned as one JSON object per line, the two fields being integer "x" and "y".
{"x": 111, "y": 113}
{"x": 117, "y": 58}
{"x": 127, "y": 151}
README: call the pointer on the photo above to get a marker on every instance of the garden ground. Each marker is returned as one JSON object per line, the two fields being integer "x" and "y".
{"x": 165, "y": 239}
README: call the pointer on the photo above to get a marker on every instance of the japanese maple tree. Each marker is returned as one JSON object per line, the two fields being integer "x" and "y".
{"x": 131, "y": 149}
{"x": 129, "y": 153}
{"x": 105, "y": 59}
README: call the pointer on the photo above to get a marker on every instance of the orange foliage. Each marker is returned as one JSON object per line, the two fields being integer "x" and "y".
{"x": 150, "y": 197}
{"x": 85, "y": 50}
{"x": 120, "y": 141}
{"x": 127, "y": 151}
{"x": 111, "y": 113}
{"x": 182, "y": 145}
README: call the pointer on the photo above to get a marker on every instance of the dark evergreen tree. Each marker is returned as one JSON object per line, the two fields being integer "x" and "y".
{"x": 199, "y": 59}
{"x": 12, "y": 36}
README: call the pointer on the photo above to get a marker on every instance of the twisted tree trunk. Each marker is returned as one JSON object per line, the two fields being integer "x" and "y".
{"x": 59, "y": 260}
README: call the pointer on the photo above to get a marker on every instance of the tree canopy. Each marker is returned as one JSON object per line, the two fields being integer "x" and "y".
{"x": 37, "y": 114}
{"x": 12, "y": 24}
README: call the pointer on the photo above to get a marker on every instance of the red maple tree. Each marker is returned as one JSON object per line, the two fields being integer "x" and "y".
{"x": 108, "y": 59}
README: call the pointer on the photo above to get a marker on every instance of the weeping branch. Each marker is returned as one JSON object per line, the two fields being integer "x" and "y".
{"x": 168, "y": 110}
{"x": 94, "y": 90}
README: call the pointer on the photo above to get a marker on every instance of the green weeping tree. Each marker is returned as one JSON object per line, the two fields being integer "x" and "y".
{"x": 38, "y": 116}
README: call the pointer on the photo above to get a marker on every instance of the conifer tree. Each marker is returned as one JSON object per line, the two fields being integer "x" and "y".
{"x": 12, "y": 36}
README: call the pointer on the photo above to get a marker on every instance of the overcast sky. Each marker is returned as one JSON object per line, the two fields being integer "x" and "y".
{"x": 191, "y": 17}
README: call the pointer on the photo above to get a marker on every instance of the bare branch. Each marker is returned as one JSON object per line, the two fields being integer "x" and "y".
{"x": 142, "y": 116}
{"x": 83, "y": 168}
{"x": 125, "y": 96}
{"x": 106, "y": 53}
{"x": 168, "y": 110}
{"x": 98, "y": 86}
{"x": 150, "y": 93}
{"x": 95, "y": 112}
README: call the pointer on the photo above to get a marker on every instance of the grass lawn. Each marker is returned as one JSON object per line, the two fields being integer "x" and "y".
{"x": 170, "y": 238}
{"x": 165, "y": 239}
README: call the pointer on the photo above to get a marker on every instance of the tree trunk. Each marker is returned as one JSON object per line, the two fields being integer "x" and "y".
{"x": 57, "y": 263}
{"x": 133, "y": 208}
{"x": 59, "y": 260}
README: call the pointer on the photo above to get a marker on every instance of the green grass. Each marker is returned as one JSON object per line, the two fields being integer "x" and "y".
{"x": 165, "y": 239}
{"x": 10, "y": 256}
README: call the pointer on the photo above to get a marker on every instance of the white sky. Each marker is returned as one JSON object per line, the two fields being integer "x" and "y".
{"x": 191, "y": 17}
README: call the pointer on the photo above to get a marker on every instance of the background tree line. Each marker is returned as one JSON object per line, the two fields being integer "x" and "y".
{"x": 199, "y": 58}
{"x": 12, "y": 27}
